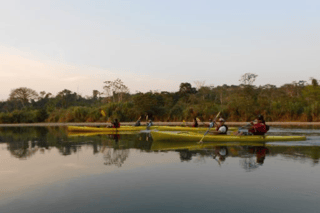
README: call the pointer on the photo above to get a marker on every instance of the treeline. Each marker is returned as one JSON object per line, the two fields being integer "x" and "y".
{"x": 298, "y": 101}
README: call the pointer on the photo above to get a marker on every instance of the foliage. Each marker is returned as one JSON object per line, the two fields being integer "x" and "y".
{"x": 298, "y": 101}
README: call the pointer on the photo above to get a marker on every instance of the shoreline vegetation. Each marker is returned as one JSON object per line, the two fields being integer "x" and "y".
{"x": 293, "y": 102}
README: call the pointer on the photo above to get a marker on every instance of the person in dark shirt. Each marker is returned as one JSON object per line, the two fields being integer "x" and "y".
{"x": 195, "y": 123}
{"x": 116, "y": 124}
{"x": 259, "y": 128}
{"x": 138, "y": 123}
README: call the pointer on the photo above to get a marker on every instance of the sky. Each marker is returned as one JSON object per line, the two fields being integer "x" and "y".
{"x": 155, "y": 45}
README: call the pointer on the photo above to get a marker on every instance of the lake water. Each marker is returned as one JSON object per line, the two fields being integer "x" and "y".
{"x": 45, "y": 170}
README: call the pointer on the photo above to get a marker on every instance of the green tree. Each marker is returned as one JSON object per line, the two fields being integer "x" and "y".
{"x": 23, "y": 95}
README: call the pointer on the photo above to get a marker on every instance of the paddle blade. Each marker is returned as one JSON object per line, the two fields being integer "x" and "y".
{"x": 217, "y": 116}
{"x": 103, "y": 113}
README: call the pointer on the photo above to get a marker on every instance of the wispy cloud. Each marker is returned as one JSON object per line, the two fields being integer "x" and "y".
{"x": 18, "y": 69}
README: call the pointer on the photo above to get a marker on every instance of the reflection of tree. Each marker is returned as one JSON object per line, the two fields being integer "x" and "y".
{"x": 69, "y": 148}
{"x": 248, "y": 163}
{"x": 185, "y": 155}
{"x": 22, "y": 149}
{"x": 115, "y": 156}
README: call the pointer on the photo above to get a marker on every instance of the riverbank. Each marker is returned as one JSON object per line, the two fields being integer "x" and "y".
{"x": 157, "y": 124}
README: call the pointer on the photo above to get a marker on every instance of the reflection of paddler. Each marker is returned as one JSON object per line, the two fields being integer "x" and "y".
{"x": 221, "y": 152}
{"x": 116, "y": 137}
{"x": 260, "y": 152}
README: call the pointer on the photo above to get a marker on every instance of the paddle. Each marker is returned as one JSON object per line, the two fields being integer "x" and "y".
{"x": 243, "y": 127}
{"x": 209, "y": 128}
{"x": 103, "y": 113}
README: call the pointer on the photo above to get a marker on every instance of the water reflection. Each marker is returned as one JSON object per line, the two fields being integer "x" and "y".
{"x": 251, "y": 155}
{"x": 92, "y": 173}
{"x": 25, "y": 142}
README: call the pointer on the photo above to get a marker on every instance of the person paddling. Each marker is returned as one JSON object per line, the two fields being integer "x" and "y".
{"x": 221, "y": 128}
{"x": 115, "y": 124}
{"x": 260, "y": 128}
{"x": 149, "y": 124}
{"x": 138, "y": 123}
{"x": 211, "y": 123}
{"x": 195, "y": 123}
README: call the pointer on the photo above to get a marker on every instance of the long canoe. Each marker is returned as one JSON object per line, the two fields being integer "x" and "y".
{"x": 137, "y": 128}
{"x": 88, "y": 134}
{"x": 181, "y": 128}
{"x": 195, "y": 137}
{"x": 104, "y": 129}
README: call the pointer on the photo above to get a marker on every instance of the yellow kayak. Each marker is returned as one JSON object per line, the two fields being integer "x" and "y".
{"x": 104, "y": 129}
{"x": 181, "y": 128}
{"x": 88, "y": 134}
{"x": 138, "y": 128}
{"x": 196, "y": 137}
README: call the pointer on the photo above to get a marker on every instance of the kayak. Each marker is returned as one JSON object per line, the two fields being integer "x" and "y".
{"x": 196, "y": 137}
{"x": 138, "y": 128}
{"x": 104, "y": 129}
{"x": 88, "y": 134}
{"x": 181, "y": 128}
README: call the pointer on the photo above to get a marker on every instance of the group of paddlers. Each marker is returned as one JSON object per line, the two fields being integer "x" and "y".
{"x": 257, "y": 127}
{"x": 116, "y": 123}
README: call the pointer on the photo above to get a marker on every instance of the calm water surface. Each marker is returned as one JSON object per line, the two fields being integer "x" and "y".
{"x": 47, "y": 170}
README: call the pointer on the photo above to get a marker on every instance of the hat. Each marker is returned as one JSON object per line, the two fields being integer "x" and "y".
{"x": 221, "y": 120}
{"x": 260, "y": 117}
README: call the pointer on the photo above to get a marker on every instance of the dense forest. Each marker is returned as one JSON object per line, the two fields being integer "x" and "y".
{"x": 297, "y": 101}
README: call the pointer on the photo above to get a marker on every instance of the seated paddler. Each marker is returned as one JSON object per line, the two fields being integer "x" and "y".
{"x": 195, "y": 123}
{"x": 116, "y": 123}
{"x": 138, "y": 122}
{"x": 211, "y": 123}
{"x": 149, "y": 124}
{"x": 221, "y": 129}
{"x": 260, "y": 127}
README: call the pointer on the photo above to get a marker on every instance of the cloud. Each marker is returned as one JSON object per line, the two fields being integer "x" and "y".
{"x": 19, "y": 69}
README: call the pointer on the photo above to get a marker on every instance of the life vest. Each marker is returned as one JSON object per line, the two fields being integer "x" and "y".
{"x": 258, "y": 129}
{"x": 223, "y": 133}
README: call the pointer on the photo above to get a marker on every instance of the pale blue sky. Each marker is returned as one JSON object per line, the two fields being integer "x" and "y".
{"x": 155, "y": 45}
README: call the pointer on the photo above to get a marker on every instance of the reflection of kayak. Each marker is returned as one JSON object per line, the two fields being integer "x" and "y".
{"x": 137, "y": 128}
{"x": 87, "y": 134}
{"x": 165, "y": 146}
{"x": 195, "y": 137}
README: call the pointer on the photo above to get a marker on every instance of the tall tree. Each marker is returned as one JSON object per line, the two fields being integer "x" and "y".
{"x": 115, "y": 88}
{"x": 248, "y": 78}
{"x": 23, "y": 94}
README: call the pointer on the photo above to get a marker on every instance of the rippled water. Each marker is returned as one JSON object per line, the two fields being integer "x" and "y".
{"x": 47, "y": 170}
